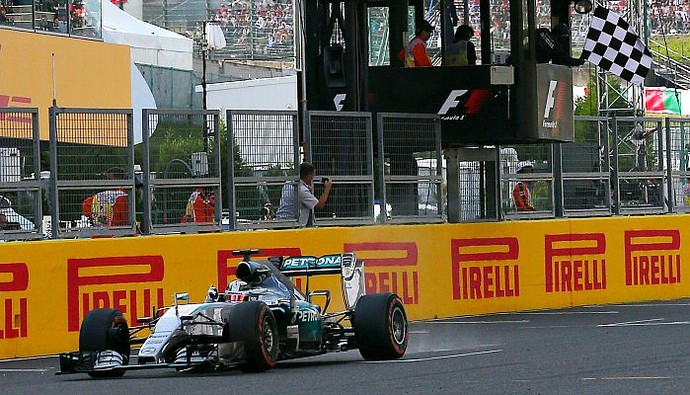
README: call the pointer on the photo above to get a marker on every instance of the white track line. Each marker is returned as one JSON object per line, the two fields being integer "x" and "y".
{"x": 20, "y": 370}
{"x": 566, "y": 312}
{"x": 440, "y": 357}
{"x": 630, "y": 323}
{"x": 652, "y": 304}
{"x": 629, "y": 378}
{"x": 651, "y": 324}
{"x": 477, "y": 322}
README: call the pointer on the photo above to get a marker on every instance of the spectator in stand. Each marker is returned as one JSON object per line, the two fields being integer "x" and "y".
{"x": 200, "y": 207}
{"x": 414, "y": 54}
{"x": 222, "y": 15}
{"x": 3, "y": 13}
{"x": 77, "y": 13}
{"x": 521, "y": 194}
{"x": 108, "y": 208}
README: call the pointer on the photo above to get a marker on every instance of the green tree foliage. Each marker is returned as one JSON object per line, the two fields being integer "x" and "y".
{"x": 587, "y": 131}
{"x": 678, "y": 47}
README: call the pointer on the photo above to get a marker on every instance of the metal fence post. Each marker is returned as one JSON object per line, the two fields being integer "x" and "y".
{"x": 614, "y": 168}
{"x": 557, "y": 158}
{"x": 670, "y": 200}
{"x": 38, "y": 202}
{"x": 146, "y": 168}
{"x": 218, "y": 213}
{"x": 132, "y": 175}
{"x": 55, "y": 207}
{"x": 230, "y": 151}
{"x": 383, "y": 211}
{"x": 453, "y": 184}
{"x": 607, "y": 161}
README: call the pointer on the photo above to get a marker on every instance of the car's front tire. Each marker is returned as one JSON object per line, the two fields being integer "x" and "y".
{"x": 253, "y": 324}
{"x": 381, "y": 328}
{"x": 105, "y": 329}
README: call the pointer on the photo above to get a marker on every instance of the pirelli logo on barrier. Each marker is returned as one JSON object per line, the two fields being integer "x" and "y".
{"x": 227, "y": 262}
{"x": 131, "y": 284}
{"x": 389, "y": 267}
{"x": 485, "y": 268}
{"x": 652, "y": 257}
{"x": 14, "y": 277}
{"x": 575, "y": 262}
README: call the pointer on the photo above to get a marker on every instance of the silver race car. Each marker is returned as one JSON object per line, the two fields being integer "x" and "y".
{"x": 259, "y": 319}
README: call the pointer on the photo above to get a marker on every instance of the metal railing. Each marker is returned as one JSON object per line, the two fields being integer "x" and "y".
{"x": 21, "y": 196}
{"x": 263, "y": 158}
{"x": 410, "y": 163}
{"x": 340, "y": 145}
{"x": 677, "y": 148}
{"x": 616, "y": 166}
{"x": 92, "y": 172}
{"x": 585, "y": 169}
{"x": 540, "y": 183}
{"x": 181, "y": 171}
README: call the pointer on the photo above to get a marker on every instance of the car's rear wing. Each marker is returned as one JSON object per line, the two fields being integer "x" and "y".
{"x": 312, "y": 266}
{"x": 350, "y": 269}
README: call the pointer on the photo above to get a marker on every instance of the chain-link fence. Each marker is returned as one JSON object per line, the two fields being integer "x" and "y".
{"x": 410, "y": 165}
{"x": 21, "y": 198}
{"x": 527, "y": 181}
{"x": 677, "y": 139}
{"x": 617, "y": 165}
{"x": 263, "y": 152}
{"x": 339, "y": 145}
{"x": 171, "y": 88}
{"x": 585, "y": 169}
{"x": 181, "y": 155}
{"x": 637, "y": 158}
{"x": 92, "y": 172}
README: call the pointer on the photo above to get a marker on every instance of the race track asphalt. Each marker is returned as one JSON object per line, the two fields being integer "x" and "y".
{"x": 618, "y": 349}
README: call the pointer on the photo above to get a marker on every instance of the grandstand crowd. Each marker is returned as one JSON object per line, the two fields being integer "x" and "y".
{"x": 266, "y": 25}
{"x": 669, "y": 16}
{"x": 263, "y": 29}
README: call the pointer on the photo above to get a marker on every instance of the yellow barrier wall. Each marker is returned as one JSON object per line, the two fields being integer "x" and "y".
{"x": 438, "y": 270}
{"x": 87, "y": 74}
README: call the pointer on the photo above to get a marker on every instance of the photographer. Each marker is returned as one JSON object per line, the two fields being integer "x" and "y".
{"x": 308, "y": 202}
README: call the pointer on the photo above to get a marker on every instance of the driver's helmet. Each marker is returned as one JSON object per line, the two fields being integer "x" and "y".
{"x": 236, "y": 286}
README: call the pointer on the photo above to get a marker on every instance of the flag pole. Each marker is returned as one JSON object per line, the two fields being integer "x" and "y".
{"x": 204, "y": 49}
{"x": 54, "y": 80}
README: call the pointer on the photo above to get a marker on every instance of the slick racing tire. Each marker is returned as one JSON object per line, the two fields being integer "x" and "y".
{"x": 105, "y": 329}
{"x": 253, "y": 324}
{"x": 380, "y": 324}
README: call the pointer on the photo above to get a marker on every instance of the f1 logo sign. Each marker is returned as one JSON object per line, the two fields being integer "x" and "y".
{"x": 338, "y": 101}
{"x": 550, "y": 99}
{"x": 451, "y": 101}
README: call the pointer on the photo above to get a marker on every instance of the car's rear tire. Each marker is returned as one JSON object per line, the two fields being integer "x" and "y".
{"x": 380, "y": 324}
{"x": 105, "y": 329}
{"x": 254, "y": 324}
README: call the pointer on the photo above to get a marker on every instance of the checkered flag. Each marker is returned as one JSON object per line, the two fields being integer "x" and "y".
{"x": 614, "y": 46}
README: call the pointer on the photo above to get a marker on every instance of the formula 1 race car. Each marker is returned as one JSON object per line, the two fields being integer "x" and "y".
{"x": 259, "y": 319}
